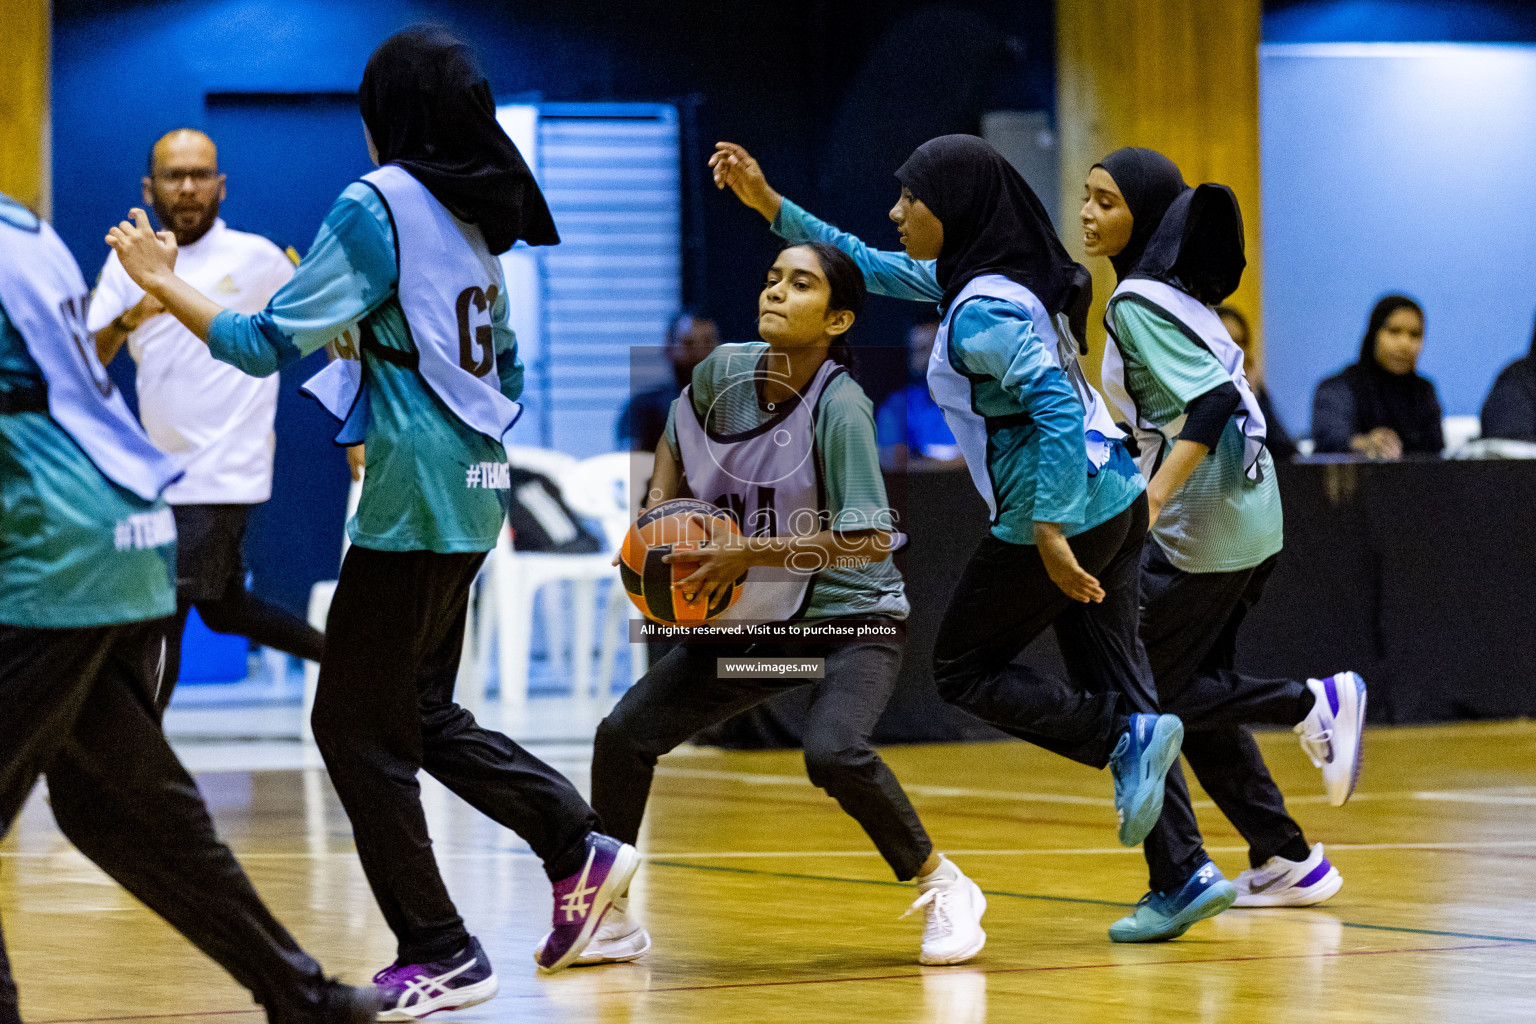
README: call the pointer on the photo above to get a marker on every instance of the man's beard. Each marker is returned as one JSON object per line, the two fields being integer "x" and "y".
{"x": 186, "y": 236}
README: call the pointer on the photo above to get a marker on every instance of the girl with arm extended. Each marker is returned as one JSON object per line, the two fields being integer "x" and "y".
{"x": 1068, "y": 513}
{"x": 404, "y": 278}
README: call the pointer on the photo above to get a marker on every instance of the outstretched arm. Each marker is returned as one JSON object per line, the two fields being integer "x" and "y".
{"x": 894, "y": 274}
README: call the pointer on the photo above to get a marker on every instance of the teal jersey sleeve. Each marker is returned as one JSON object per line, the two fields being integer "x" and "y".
{"x": 349, "y": 272}
{"x": 996, "y": 339}
{"x": 894, "y": 274}
{"x": 850, "y": 459}
{"x": 427, "y": 486}
{"x": 1177, "y": 368}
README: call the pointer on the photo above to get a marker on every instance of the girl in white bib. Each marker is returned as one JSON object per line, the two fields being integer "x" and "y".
{"x": 780, "y": 434}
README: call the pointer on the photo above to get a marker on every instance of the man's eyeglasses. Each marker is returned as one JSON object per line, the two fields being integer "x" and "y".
{"x": 199, "y": 176}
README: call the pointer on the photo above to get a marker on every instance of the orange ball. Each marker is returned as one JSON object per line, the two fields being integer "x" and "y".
{"x": 653, "y": 585}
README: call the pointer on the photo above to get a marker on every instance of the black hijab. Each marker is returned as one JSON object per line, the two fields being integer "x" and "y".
{"x": 429, "y": 110}
{"x": 1150, "y": 182}
{"x": 1198, "y": 247}
{"x": 1190, "y": 238}
{"x": 994, "y": 224}
{"x": 1405, "y": 402}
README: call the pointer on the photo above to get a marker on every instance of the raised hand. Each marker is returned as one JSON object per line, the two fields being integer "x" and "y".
{"x": 148, "y": 256}
{"x": 733, "y": 167}
{"x": 150, "y": 260}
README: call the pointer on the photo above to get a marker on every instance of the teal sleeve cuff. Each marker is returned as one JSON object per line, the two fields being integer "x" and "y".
{"x": 250, "y": 343}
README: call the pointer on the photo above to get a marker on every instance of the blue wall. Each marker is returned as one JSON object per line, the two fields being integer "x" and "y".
{"x": 1382, "y": 172}
{"x": 1392, "y": 169}
{"x": 830, "y": 95}
{"x": 1400, "y": 21}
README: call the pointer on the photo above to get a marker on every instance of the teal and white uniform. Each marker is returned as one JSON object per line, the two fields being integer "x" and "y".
{"x": 433, "y": 483}
{"x": 1227, "y": 516}
{"x": 847, "y": 465}
{"x": 76, "y": 549}
{"x": 1034, "y": 455}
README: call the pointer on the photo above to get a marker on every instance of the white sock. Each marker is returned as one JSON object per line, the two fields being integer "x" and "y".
{"x": 946, "y": 871}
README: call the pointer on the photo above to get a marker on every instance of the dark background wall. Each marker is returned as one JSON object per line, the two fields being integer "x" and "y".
{"x": 831, "y": 96}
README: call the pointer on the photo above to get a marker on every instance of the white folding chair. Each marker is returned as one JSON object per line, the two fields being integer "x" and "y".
{"x": 598, "y": 488}
{"x": 615, "y": 484}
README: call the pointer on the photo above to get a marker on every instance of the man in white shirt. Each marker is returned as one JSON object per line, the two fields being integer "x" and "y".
{"x": 215, "y": 421}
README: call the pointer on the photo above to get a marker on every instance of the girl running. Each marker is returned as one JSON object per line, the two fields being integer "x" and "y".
{"x": 407, "y": 257}
{"x": 779, "y": 432}
{"x": 1172, "y": 371}
{"x": 1068, "y": 514}
{"x": 87, "y": 588}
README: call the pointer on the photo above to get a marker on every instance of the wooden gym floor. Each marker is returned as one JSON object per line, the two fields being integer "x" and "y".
{"x": 767, "y": 904}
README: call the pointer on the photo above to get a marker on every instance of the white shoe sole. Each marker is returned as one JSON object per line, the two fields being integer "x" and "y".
{"x": 621, "y": 951}
{"x": 1340, "y": 783}
{"x": 624, "y": 867}
{"x": 970, "y": 952}
{"x": 1316, "y": 893}
{"x": 458, "y": 999}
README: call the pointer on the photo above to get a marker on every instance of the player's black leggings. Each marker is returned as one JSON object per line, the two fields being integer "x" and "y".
{"x": 79, "y": 710}
{"x": 682, "y": 693}
{"x": 1189, "y": 625}
{"x": 1005, "y": 598}
{"x": 384, "y": 710}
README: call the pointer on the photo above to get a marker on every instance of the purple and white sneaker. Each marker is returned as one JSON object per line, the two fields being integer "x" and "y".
{"x": 1332, "y": 731}
{"x": 1288, "y": 883}
{"x": 411, "y": 991}
{"x": 582, "y": 899}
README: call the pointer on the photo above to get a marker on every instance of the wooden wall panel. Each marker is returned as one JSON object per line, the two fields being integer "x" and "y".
{"x": 25, "y": 166}
{"x": 1178, "y": 76}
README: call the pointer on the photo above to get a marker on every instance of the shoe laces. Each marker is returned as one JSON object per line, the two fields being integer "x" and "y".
{"x": 935, "y": 903}
{"x": 1318, "y": 746}
{"x": 390, "y": 973}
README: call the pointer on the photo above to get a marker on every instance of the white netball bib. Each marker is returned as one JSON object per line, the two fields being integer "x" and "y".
{"x": 45, "y": 296}
{"x": 951, "y": 389}
{"x": 448, "y": 284}
{"x": 1204, "y": 327}
{"x": 767, "y": 477}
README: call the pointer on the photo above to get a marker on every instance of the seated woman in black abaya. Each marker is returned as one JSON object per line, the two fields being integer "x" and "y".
{"x": 1380, "y": 407}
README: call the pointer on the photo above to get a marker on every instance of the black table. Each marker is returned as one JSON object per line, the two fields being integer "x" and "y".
{"x": 1420, "y": 575}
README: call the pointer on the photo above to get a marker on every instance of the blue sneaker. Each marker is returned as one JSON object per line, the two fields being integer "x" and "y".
{"x": 1160, "y": 917}
{"x": 1140, "y": 762}
{"x": 411, "y": 991}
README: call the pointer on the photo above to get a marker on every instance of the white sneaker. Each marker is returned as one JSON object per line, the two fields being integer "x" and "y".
{"x": 952, "y": 905}
{"x": 619, "y": 939}
{"x": 1332, "y": 731}
{"x": 1288, "y": 883}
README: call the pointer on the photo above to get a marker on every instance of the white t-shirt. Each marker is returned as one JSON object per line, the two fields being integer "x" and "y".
{"x": 214, "y": 420}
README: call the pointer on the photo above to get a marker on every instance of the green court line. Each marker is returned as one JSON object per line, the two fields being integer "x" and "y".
{"x": 1054, "y": 899}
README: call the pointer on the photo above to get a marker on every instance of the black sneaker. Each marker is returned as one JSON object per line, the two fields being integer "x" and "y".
{"x": 345, "y": 1004}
